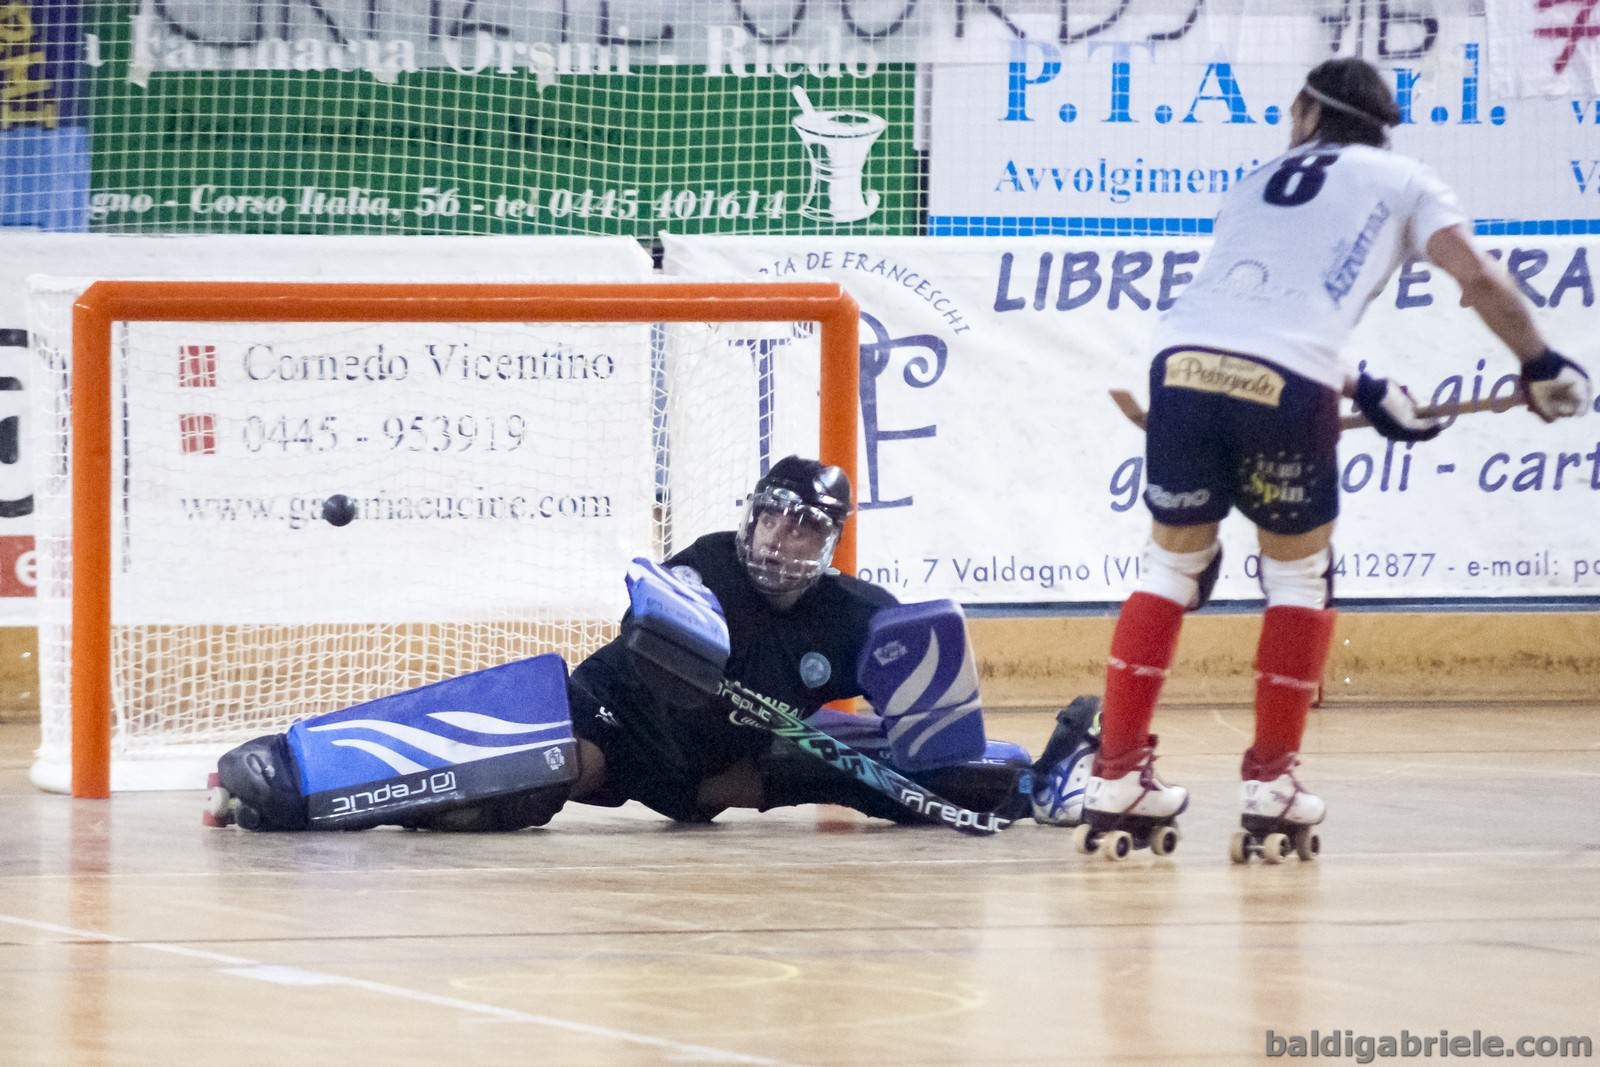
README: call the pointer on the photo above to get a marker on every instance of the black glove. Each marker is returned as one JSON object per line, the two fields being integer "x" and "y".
{"x": 1392, "y": 412}
{"x": 1556, "y": 386}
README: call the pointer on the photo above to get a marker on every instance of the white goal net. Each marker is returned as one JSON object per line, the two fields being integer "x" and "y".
{"x": 501, "y": 474}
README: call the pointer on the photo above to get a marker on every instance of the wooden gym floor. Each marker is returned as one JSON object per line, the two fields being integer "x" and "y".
{"x": 1458, "y": 892}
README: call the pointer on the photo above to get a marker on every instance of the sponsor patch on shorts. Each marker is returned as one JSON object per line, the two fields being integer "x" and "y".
{"x": 1230, "y": 376}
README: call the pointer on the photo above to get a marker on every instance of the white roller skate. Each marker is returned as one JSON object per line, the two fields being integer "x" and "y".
{"x": 1278, "y": 817}
{"x": 1136, "y": 810}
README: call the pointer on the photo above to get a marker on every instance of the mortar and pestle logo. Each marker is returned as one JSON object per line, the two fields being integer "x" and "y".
{"x": 837, "y": 143}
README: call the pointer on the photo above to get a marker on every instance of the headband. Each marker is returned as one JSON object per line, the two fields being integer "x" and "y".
{"x": 1339, "y": 105}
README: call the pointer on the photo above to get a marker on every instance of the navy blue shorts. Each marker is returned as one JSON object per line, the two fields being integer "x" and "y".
{"x": 1229, "y": 431}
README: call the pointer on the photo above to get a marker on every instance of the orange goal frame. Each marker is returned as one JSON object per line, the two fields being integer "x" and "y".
{"x": 108, "y": 302}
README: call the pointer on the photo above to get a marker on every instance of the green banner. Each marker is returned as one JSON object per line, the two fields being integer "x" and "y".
{"x": 441, "y": 151}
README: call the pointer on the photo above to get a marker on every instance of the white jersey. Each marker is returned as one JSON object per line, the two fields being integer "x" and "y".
{"x": 1301, "y": 246}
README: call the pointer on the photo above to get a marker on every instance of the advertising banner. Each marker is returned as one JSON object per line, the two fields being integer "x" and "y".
{"x": 895, "y": 117}
{"x": 1544, "y": 48}
{"x": 447, "y": 439}
{"x": 44, "y": 142}
{"x": 347, "y": 118}
{"x": 996, "y": 470}
{"x": 1127, "y": 133}
{"x": 31, "y": 412}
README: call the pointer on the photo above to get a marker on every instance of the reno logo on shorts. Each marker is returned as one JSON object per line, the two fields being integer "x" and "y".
{"x": 815, "y": 670}
{"x": 433, "y": 783}
{"x": 1166, "y": 498}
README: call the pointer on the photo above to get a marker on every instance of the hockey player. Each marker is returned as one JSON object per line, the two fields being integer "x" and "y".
{"x": 1244, "y": 394}
{"x": 621, "y": 728}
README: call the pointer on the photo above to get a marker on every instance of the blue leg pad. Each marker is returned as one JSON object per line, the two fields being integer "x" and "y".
{"x": 1008, "y": 752}
{"x": 918, "y": 670}
{"x": 446, "y": 745}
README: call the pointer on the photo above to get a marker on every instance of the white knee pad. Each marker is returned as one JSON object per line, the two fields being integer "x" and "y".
{"x": 1299, "y": 583}
{"x": 1176, "y": 575}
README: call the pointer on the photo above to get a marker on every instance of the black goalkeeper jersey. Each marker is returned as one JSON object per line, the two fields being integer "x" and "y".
{"x": 806, "y": 656}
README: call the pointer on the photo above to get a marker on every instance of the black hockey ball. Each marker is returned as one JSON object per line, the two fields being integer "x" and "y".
{"x": 339, "y": 509}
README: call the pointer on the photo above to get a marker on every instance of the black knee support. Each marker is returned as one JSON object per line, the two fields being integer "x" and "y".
{"x": 1207, "y": 580}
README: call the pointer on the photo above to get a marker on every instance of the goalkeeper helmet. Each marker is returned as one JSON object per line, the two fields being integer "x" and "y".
{"x": 792, "y": 522}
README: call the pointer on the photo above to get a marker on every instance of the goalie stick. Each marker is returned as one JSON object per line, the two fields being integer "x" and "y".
{"x": 681, "y": 635}
{"x": 751, "y": 708}
{"x": 1136, "y": 414}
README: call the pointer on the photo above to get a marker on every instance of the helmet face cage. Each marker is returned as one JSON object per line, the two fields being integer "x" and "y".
{"x": 784, "y": 542}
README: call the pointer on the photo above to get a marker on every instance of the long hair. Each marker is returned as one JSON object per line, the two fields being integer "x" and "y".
{"x": 1357, "y": 106}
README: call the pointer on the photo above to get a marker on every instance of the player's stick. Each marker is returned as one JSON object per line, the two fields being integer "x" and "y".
{"x": 1136, "y": 414}
{"x": 757, "y": 709}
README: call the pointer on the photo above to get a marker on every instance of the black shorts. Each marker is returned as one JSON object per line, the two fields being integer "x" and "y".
{"x": 655, "y": 754}
{"x": 1231, "y": 431}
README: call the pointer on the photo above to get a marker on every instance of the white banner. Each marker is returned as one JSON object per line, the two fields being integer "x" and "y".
{"x": 82, "y": 258}
{"x": 995, "y": 469}
{"x": 497, "y": 470}
{"x": 1096, "y": 137}
{"x": 1544, "y": 48}
{"x": 739, "y": 38}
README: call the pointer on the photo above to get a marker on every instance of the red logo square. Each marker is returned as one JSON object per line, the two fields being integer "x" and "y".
{"x": 198, "y": 434}
{"x": 197, "y": 366}
{"x": 19, "y": 575}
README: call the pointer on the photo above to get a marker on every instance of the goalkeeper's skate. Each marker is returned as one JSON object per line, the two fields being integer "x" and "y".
{"x": 221, "y": 807}
{"x": 1062, "y": 771}
{"x": 1135, "y": 810}
{"x": 255, "y": 787}
{"x": 1278, "y": 815}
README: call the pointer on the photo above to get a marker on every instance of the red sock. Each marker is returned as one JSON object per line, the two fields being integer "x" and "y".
{"x": 1289, "y": 661}
{"x": 1142, "y": 648}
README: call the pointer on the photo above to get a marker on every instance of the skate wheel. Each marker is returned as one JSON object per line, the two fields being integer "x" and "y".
{"x": 1084, "y": 839}
{"x": 1306, "y": 843}
{"x": 1164, "y": 840}
{"x": 220, "y": 807}
{"x": 1239, "y": 846}
{"x": 1274, "y": 848}
{"x": 1116, "y": 845}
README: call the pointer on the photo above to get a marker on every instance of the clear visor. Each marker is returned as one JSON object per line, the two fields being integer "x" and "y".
{"x": 785, "y": 543}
